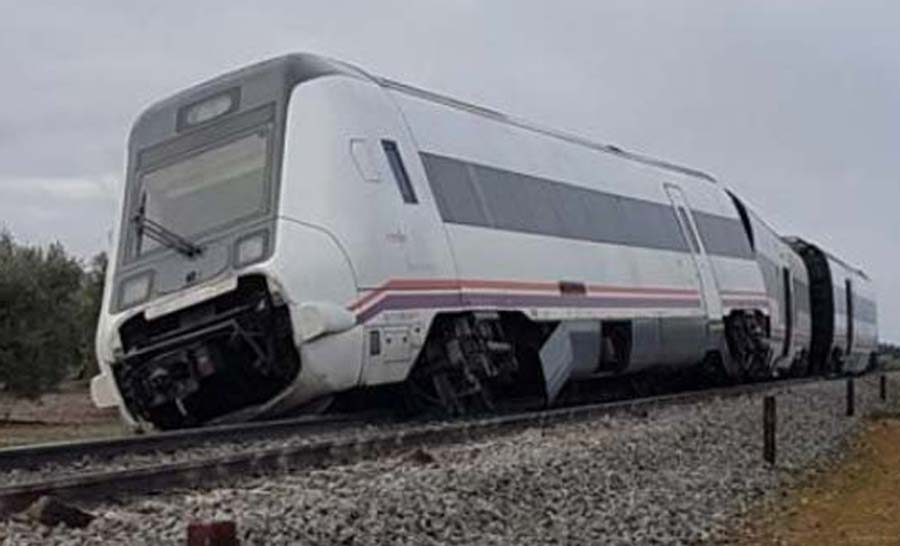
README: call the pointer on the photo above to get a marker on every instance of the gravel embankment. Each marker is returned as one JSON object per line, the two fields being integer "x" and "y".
{"x": 683, "y": 474}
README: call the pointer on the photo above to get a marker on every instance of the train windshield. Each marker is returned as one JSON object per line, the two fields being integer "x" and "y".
{"x": 206, "y": 191}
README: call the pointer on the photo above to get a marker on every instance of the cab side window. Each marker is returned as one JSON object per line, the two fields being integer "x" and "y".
{"x": 399, "y": 170}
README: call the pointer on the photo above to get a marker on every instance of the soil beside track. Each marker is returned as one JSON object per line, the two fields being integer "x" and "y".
{"x": 856, "y": 500}
{"x": 20, "y": 434}
{"x": 60, "y": 416}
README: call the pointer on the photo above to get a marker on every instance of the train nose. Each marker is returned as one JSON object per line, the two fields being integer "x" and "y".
{"x": 208, "y": 360}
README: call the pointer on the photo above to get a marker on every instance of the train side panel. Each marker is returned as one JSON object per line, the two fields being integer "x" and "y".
{"x": 866, "y": 316}
{"x": 843, "y": 309}
{"x": 340, "y": 180}
{"x": 525, "y": 212}
{"x": 786, "y": 283}
{"x": 855, "y": 320}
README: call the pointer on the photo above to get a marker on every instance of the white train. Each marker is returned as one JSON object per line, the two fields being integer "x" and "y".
{"x": 299, "y": 229}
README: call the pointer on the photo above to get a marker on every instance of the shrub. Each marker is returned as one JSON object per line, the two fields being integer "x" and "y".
{"x": 48, "y": 312}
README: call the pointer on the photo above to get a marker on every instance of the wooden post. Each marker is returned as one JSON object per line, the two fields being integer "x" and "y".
{"x": 769, "y": 429}
{"x": 882, "y": 387}
{"x": 851, "y": 398}
{"x": 214, "y": 533}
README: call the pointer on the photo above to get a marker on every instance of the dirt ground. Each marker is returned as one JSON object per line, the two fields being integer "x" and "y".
{"x": 857, "y": 502}
{"x": 25, "y": 434}
{"x": 67, "y": 414}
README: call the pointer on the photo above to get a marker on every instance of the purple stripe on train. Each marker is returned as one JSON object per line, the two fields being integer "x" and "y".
{"x": 433, "y": 301}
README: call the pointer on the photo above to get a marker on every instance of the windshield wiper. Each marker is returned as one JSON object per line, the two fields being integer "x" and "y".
{"x": 165, "y": 236}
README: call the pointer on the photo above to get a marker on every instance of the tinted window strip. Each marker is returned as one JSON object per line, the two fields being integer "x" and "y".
{"x": 722, "y": 236}
{"x": 152, "y": 156}
{"x": 478, "y": 195}
{"x": 865, "y": 309}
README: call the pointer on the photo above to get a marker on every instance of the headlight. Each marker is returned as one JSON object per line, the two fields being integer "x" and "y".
{"x": 251, "y": 248}
{"x": 209, "y": 109}
{"x": 135, "y": 290}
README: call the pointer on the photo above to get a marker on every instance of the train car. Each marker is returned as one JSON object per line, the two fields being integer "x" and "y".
{"x": 798, "y": 327}
{"x": 789, "y": 323}
{"x": 844, "y": 312}
{"x": 299, "y": 229}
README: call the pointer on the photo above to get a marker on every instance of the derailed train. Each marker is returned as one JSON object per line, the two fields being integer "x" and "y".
{"x": 300, "y": 229}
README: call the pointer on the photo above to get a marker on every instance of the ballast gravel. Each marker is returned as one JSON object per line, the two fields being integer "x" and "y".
{"x": 679, "y": 475}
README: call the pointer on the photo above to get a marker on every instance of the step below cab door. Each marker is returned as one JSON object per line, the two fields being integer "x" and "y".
{"x": 708, "y": 286}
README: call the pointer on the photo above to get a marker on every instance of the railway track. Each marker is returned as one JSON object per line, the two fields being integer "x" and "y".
{"x": 31, "y": 456}
{"x": 210, "y": 471}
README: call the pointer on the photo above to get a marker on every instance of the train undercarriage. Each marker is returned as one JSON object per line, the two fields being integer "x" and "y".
{"x": 485, "y": 361}
{"x": 747, "y": 354}
{"x": 201, "y": 363}
{"x": 473, "y": 360}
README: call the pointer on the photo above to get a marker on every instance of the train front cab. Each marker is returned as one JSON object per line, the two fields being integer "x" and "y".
{"x": 229, "y": 256}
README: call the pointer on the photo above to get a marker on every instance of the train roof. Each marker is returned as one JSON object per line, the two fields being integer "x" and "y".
{"x": 296, "y": 68}
{"x": 525, "y": 124}
{"x": 829, "y": 255}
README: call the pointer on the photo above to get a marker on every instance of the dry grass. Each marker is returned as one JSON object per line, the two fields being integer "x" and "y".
{"x": 23, "y": 434}
{"x": 857, "y": 502}
{"x": 59, "y": 416}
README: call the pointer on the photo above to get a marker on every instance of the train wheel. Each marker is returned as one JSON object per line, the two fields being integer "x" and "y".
{"x": 464, "y": 356}
{"x": 835, "y": 364}
{"x": 801, "y": 367}
{"x": 715, "y": 367}
{"x": 747, "y": 356}
{"x": 448, "y": 390}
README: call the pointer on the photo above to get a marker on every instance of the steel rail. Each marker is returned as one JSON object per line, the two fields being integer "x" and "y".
{"x": 36, "y": 455}
{"x": 204, "y": 473}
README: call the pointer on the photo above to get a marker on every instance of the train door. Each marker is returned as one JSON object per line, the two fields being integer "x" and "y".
{"x": 416, "y": 241}
{"x": 708, "y": 285}
{"x": 849, "y": 294}
{"x": 787, "y": 294}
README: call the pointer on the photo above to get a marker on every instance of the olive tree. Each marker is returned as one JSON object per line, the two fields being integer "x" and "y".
{"x": 42, "y": 315}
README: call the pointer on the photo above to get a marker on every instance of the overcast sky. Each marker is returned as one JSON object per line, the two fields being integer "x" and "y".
{"x": 794, "y": 104}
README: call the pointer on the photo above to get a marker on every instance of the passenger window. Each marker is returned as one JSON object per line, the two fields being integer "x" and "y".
{"x": 454, "y": 190}
{"x": 400, "y": 175}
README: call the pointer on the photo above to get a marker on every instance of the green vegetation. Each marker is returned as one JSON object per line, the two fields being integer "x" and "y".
{"x": 889, "y": 350}
{"x": 889, "y": 355}
{"x": 49, "y": 304}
